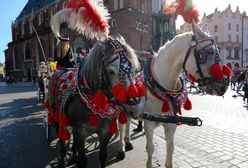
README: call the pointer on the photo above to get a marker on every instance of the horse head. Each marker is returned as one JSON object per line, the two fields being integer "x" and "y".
{"x": 203, "y": 63}
{"x": 111, "y": 67}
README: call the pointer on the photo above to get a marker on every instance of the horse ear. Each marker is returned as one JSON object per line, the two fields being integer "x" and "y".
{"x": 205, "y": 29}
{"x": 197, "y": 30}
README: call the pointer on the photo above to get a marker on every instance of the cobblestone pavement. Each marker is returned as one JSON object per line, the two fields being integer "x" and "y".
{"x": 219, "y": 143}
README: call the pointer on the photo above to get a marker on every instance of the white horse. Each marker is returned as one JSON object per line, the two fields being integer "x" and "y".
{"x": 195, "y": 53}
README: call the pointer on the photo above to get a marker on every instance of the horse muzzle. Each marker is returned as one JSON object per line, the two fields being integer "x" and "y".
{"x": 216, "y": 87}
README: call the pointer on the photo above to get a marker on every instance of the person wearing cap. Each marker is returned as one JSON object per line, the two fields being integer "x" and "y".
{"x": 63, "y": 55}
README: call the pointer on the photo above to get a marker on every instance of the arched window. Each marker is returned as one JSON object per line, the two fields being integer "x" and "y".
{"x": 40, "y": 53}
{"x": 26, "y": 28}
{"x": 16, "y": 64}
{"x": 236, "y": 52}
{"x": 215, "y": 28}
{"x": 27, "y": 52}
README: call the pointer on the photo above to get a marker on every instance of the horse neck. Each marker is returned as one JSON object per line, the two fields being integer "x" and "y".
{"x": 169, "y": 63}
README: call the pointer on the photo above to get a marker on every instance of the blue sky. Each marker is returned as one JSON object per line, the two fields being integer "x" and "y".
{"x": 9, "y": 10}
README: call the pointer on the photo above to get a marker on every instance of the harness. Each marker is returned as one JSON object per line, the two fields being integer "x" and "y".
{"x": 176, "y": 97}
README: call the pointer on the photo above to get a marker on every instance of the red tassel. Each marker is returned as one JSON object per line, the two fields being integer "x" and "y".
{"x": 179, "y": 109}
{"x": 62, "y": 80}
{"x": 93, "y": 120}
{"x": 70, "y": 75}
{"x": 101, "y": 100}
{"x": 133, "y": 91}
{"x": 113, "y": 127}
{"x": 46, "y": 104}
{"x": 60, "y": 133}
{"x": 116, "y": 89}
{"x": 49, "y": 118}
{"x": 141, "y": 89}
{"x": 187, "y": 105}
{"x": 226, "y": 70}
{"x": 56, "y": 115}
{"x": 64, "y": 120}
{"x": 191, "y": 78}
{"x": 123, "y": 117}
{"x": 66, "y": 135}
{"x": 122, "y": 95}
{"x": 216, "y": 71}
{"x": 165, "y": 107}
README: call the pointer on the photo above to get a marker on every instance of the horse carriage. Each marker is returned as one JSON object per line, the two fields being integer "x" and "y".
{"x": 103, "y": 92}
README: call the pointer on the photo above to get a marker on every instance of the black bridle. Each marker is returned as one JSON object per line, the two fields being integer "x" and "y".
{"x": 201, "y": 56}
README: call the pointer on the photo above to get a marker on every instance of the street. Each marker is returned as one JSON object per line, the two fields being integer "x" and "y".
{"x": 220, "y": 142}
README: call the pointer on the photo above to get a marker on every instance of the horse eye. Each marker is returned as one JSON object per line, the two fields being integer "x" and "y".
{"x": 111, "y": 72}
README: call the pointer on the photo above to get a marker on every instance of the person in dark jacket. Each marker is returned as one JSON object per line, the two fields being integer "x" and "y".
{"x": 63, "y": 55}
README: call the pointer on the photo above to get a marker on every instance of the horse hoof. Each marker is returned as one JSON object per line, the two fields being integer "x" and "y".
{"x": 121, "y": 155}
{"x": 128, "y": 147}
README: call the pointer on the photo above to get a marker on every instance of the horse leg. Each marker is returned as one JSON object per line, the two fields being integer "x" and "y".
{"x": 127, "y": 139}
{"x": 169, "y": 130}
{"x": 79, "y": 142}
{"x": 62, "y": 149}
{"x": 149, "y": 128}
{"x": 121, "y": 150}
{"x": 103, "y": 152}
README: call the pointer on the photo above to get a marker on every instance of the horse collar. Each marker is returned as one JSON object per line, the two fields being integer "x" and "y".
{"x": 159, "y": 91}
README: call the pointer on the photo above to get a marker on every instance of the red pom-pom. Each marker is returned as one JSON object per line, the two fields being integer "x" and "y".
{"x": 179, "y": 109}
{"x": 46, "y": 104}
{"x": 122, "y": 95}
{"x": 70, "y": 75}
{"x": 187, "y": 105}
{"x": 64, "y": 120}
{"x": 66, "y": 135}
{"x": 55, "y": 70}
{"x": 141, "y": 89}
{"x": 93, "y": 120}
{"x": 62, "y": 80}
{"x": 165, "y": 107}
{"x": 56, "y": 115}
{"x": 123, "y": 117}
{"x": 216, "y": 72}
{"x": 191, "y": 78}
{"x": 56, "y": 78}
{"x": 113, "y": 126}
{"x": 48, "y": 77}
{"x": 101, "y": 100}
{"x": 53, "y": 84}
{"x": 49, "y": 118}
{"x": 63, "y": 86}
{"x": 133, "y": 91}
{"x": 116, "y": 89}
{"x": 226, "y": 70}
{"x": 60, "y": 133}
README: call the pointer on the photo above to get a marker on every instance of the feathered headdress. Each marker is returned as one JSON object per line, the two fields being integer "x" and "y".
{"x": 186, "y": 8}
{"x": 88, "y": 17}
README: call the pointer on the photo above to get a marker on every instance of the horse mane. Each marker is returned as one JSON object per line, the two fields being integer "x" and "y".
{"x": 93, "y": 63}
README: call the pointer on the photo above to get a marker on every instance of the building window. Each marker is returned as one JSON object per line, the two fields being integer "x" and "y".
{"x": 27, "y": 52}
{"x": 26, "y": 28}
{"x": 237, "y": 27}
{"x": 118, "y": 4}
{"x": 229, "y": 38}
{"x": 142, "y": 7}
{"x": 237, "y": 38}
{"x": 236, "y": 52}
{"x": 215, "y": 28}
{"x": 216, "y": 39}
{"x": 229, "y": 52}
{"x": 229, "y": 26}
